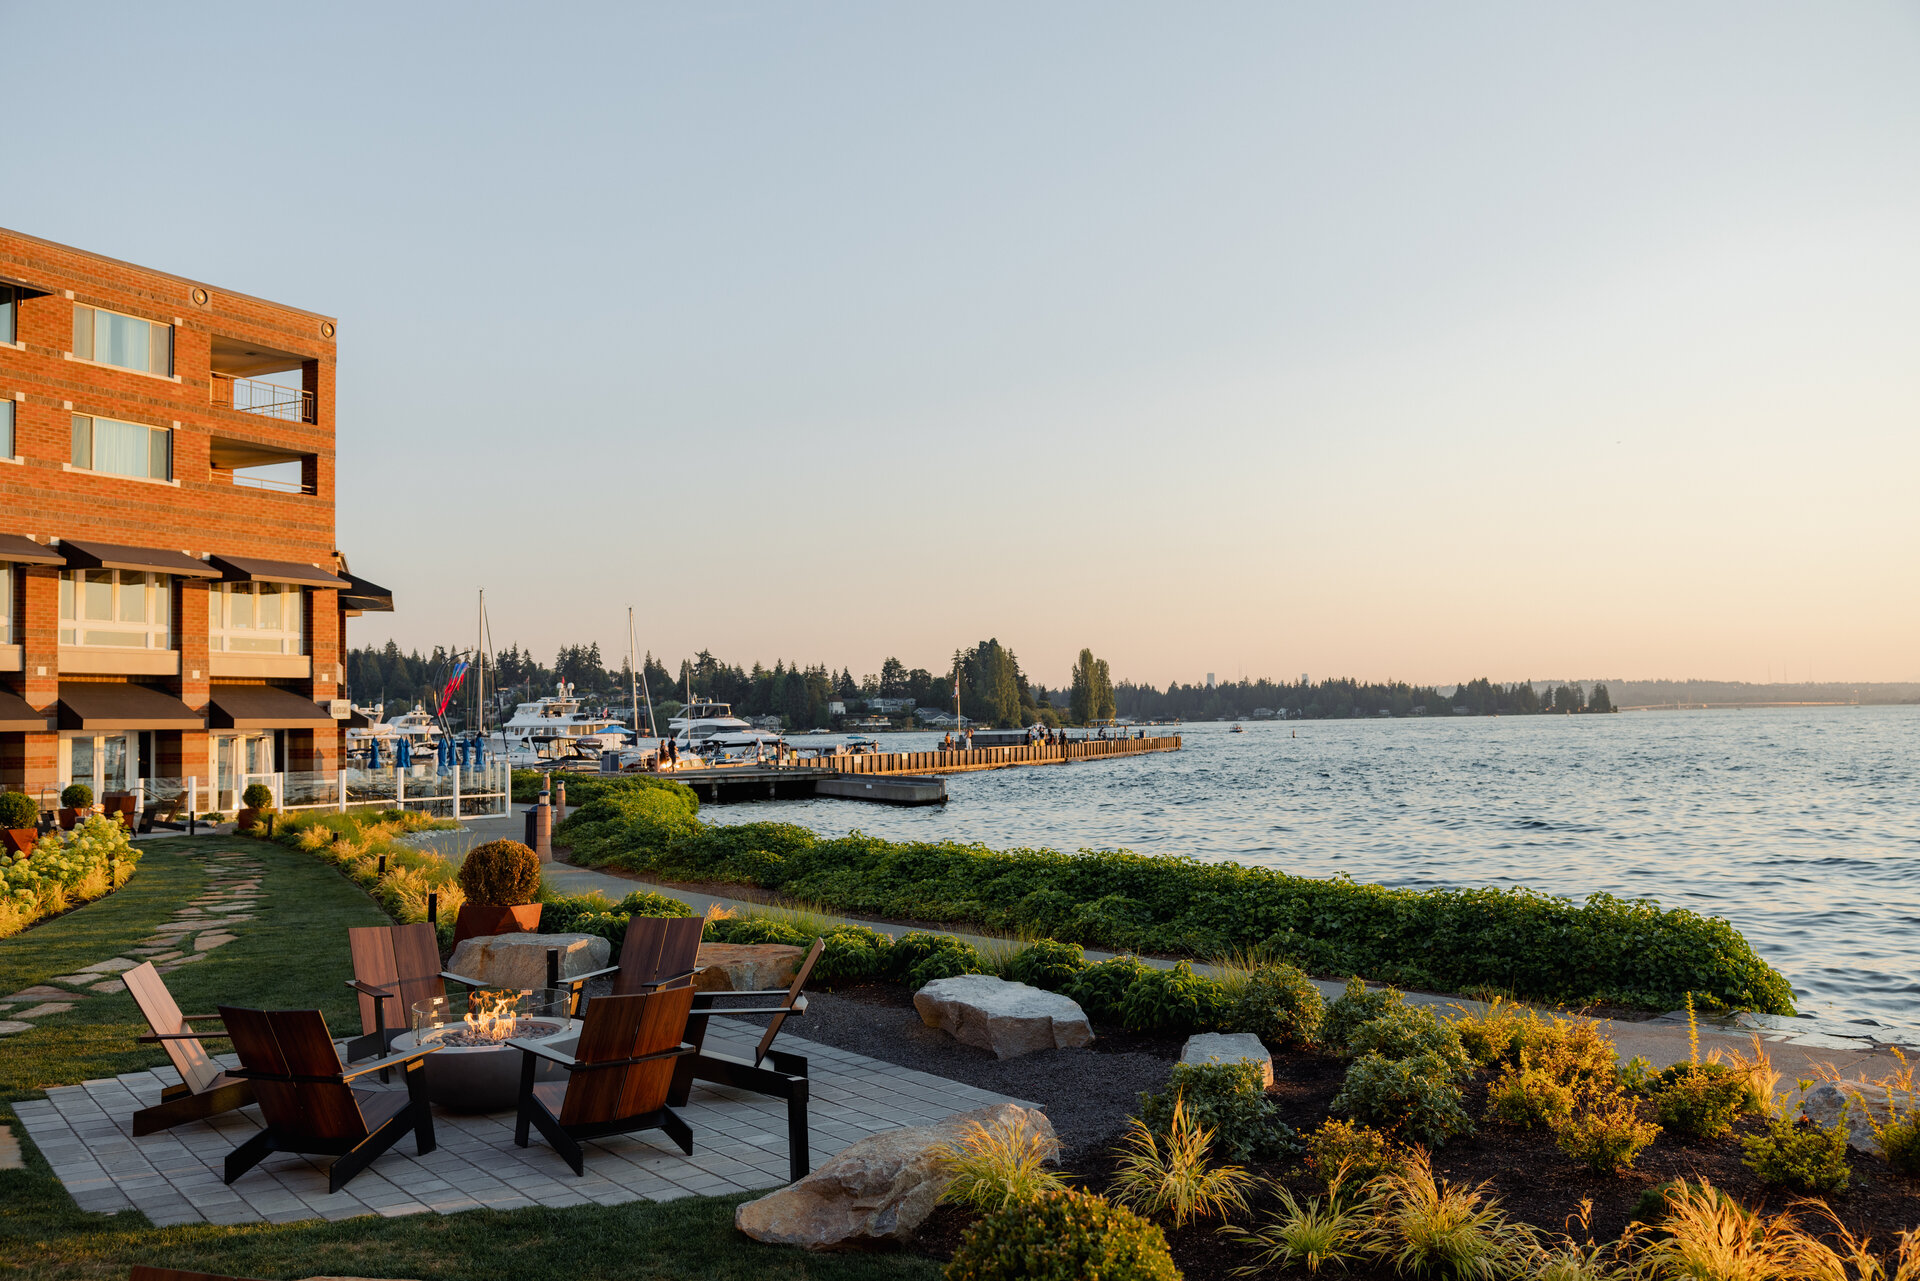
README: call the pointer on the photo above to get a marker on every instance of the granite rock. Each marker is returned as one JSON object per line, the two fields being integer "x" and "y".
{"x": 746, "y": 967}
{"x": 1010, "y": 1019}
{"x": 1229, "y": 1047}
{"x": 520, "y": 960}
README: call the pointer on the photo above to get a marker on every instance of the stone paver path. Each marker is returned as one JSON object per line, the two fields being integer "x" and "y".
{"x": 233, "y": 891}
{"x": 740, "y": 1143}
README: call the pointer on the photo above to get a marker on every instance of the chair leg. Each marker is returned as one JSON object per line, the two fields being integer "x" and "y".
{"x": 180, "y": 1106}
{"x": 249, "y": 1154}
{"x": 369, "y": 1149}
{"x": 799, "y": 1160}
{"x": 563, "y": 1143}
{"x": 677, "y": 1130}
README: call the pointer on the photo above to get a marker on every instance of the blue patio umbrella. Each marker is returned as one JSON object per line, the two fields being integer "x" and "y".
{"x": 373, "y": 753}
{"x": 465, "y": 752}
{"x": 403, "y": 755}
{"x": 446, "y": 754}
{"x": 479, "y": 753}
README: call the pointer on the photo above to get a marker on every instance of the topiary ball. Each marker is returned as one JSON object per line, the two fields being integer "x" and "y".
{"x": 1063, "y": 1236}
{"x": 18, "y": 810}
{"x": 76, "y": 796}
{"x": 501, "y": 874}
{"x": 257, "y": 796}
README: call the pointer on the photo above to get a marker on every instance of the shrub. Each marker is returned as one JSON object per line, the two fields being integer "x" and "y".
{"x": 1527, "y": 1096}
{"x": 257, "y": 796}
{"x": 1227, "y": 1099}
{"x": 992, "y": 1169}
{"x": 18, "y": 810}
{"x": 593, "y": 914}
{"x": 1063, "y": 1236}
{"x": 1047, "y": 964}
{"x": 1170, "y": 1174}
{"x": 1174, "y": 1002}
{"x": 1357, "y": 1005}
{"x": 1099, "y": 989}
{"x": 1404, "y": 1031}
{"x": 63, "y": 871}
{"x": 1415, "y": 1097}
{"x": 1437, "y": 1228}
{"x": 852, "y": 953}
{"x": 1361, "y": 1151}
{"x": 1701, "y": 1100}
{"x": 1568, "y": 1050}
{"x": 922, "y": 956}
{"x": 1280, "y": 1005}
{"x": 76, "y": 796}
{"x": 1799, "y": 1154}
{"x": 1606, "y": 1134}
{"x": 500, "y": 874}
{"x": 1900, "y": 1142}
{"x": 648, "y": 903}
{"x": 1311, "y": 1235}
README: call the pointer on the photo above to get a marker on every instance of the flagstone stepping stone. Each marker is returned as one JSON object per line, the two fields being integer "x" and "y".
{"x": 10, "y": 1158}
{"x": 185, "y": 960}
{"x": 78, "y": 980}
{"x": 51, "y": 1007}
{"x": 169, "y": 956}
{"x": 117, "y": 965}
{"x": 111, "y": 985}
{"x": 8, "y": 1027}
{"x": 207, "y": 942}
{"x": 38, "y": 990}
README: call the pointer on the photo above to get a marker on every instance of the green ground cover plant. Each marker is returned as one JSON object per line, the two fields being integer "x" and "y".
{"x": 1063, "y": 1236}
{"x": 1537, "y": 945}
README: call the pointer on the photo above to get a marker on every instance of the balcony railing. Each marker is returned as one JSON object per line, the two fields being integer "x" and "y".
{"x": 269, "y": 400}
{"x": 276, "y": 485}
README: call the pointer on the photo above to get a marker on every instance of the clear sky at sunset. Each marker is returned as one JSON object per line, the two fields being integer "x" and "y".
{"x": 1407, "y": 341}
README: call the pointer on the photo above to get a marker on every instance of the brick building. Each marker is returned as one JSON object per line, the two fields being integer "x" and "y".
{"x": 172, "y": 603}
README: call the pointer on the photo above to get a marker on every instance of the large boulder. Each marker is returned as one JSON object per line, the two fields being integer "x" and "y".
{"x": 1229, "y": 1047}
{"x": 520, "y": 960}
{"x": 1010, "y": 1019}
{"x": 876, "y": 1192}
{"x": 1827, "y": 1102}
{"x": 746, "y": 967}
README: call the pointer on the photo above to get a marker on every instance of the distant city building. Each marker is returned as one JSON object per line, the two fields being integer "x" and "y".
{"x": 1209, "y": 680}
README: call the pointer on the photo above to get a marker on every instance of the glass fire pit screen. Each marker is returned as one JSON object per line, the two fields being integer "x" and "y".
{"x": 490, "y": 1017}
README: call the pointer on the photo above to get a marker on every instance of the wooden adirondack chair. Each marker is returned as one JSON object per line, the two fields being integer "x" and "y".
{"x": 771, "y": 1072}
{"x": 656, "y": 953}
{"x": 141, "y": 1272}
{"x": 395, "y": 967}
{"x": 617, "y": 1078}
{"x": 307, "y": 1098}
{"x": 204, "y": 1090}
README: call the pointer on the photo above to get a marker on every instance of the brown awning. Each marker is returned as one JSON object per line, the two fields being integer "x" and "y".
{"x": 246, "y": 569}
{"x": 117, "y": 705}
{"x": 363, "y": 594}
{"x": 264, "y": 707}
{"x": 148, "y": 559}
{"x": 22, "y": 550}
{"x": 16, "y": 715}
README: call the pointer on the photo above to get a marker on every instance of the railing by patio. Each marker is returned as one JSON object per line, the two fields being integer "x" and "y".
{"x": 269, "y": 400}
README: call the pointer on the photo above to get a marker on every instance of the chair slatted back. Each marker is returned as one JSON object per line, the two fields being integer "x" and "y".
{"x": 190, "y": 1059}
{"x": 295, "y": 1043}
{"x": 405, "y": 958}
{"x": 654, "y": 947}
{"x": 624, "y": 1027}
{"x": 793, "y": 994}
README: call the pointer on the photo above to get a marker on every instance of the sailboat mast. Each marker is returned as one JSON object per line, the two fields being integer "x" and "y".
{"x": 633, "y": 688}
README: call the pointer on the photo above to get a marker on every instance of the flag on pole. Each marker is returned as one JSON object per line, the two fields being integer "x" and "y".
{"x": 446, "y": 695}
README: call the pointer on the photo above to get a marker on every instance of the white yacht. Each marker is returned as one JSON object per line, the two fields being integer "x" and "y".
{"x": 418, "y": 727}
{"x": 555, "y": 729}
{"x": 711, "y": 732}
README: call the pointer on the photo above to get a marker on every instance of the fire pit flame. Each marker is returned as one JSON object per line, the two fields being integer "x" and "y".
{"x": 491, "y": 1016}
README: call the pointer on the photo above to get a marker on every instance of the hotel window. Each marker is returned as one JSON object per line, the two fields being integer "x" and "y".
{"x": 116, "y": 608}
{"x": 6, "y": 428}
{"x": 6, "y": 602}
{"x": 109, "y": 338}
{"x": 123, "y": 449}
{"x": 9, "y": 313}
{"x": 255, "y": 618}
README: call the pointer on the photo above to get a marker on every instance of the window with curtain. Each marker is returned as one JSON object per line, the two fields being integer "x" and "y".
{"x": 255, "y": 618}
{"x": 6, "y": 427}
{"x": 9, "y": 313}
{"x": 109, "y": 338}
{"x": 116, "y": 609}
{"x": 6, "y": 602}
{"x": 123, "y": 449}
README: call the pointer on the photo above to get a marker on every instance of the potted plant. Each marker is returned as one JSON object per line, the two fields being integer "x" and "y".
{"x": 19, "y": 823}
{"x": 257, "y": 802}
{"x": 502, "y": 883}
{"x": 76, "y": 802}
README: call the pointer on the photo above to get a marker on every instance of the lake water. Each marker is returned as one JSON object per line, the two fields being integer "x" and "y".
{"x": 1801, "y": 827}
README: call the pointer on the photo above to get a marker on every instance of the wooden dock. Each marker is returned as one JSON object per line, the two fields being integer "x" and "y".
{"x": 894, "y": 778}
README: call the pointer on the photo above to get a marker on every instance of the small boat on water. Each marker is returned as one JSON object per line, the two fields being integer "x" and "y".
{"x": 1238, "y": 729}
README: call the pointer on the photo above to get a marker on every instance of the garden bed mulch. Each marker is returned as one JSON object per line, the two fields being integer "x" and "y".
{"x": 1088, "y": 1095}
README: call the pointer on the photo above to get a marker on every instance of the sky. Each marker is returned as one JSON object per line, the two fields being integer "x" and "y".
{"x": 1394, "y": 341}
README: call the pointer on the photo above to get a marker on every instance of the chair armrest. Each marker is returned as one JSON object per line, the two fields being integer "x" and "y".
{"x": 664, "y": 979}
{"x": 368, "y": 989}
{"x": 391, "y": 1061}
{"x": 574, "y": 1065}
{"x": 461, "y": 978}
{"x": 186, "y": 1036}
{"x": 594, "y": 974}
{"x": 545, "y": 1053}
{"x": 723, "y": 1014}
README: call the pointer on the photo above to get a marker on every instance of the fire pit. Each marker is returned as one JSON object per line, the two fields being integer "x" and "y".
{"x": 476, "y": 1070}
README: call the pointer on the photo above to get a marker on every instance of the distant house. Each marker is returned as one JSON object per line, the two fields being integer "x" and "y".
{"x": 837, "y": 707}
{"x": 889, "y": 704}
{"x": 944, "y": 720}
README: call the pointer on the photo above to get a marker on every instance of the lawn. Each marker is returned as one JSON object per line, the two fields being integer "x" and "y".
{"x": 293, "y": 954}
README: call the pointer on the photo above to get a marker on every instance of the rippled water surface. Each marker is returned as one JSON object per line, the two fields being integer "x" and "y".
{"x": 1801, "y": 827}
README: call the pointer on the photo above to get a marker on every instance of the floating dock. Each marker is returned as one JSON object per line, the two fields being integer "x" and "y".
{"x": 895, "y": 778}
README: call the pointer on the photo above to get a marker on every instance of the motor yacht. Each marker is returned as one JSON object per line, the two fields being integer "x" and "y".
{"x": 553, "y": 729}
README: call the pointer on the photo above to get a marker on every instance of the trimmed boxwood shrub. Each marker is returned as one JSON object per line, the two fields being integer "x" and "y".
{"x": 257, "y": 796}
{"x": 1063, "y": 1236}
{"x": 76, "y": 796}
{"x": 1280, "y": 1005}
{"x": 17, "y": 810}
{"x": 501, "y": 874}
{"x": 1047, "y": 964}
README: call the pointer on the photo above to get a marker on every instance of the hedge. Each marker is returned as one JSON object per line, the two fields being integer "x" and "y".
{"x": 1545, "y": 947}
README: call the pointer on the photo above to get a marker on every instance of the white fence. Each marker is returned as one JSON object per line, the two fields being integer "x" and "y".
{"x": 475, "y": 792}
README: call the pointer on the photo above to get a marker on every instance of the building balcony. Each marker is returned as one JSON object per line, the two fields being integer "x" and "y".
{"x": 240, "y": 372}
{"x": 268, "y": 400}
{"x": 254, "y": 465}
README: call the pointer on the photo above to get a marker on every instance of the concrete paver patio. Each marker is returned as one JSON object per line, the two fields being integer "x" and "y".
{"x": 740, "y": 1143}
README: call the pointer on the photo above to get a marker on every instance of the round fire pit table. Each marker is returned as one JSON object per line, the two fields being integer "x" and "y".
{"x": 475, "y": 1070}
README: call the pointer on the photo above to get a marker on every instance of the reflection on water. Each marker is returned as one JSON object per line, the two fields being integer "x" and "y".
{"x": 1801, "y": 827}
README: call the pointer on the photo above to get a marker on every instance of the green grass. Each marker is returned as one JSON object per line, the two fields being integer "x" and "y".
{"x": 293, "y": 954}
